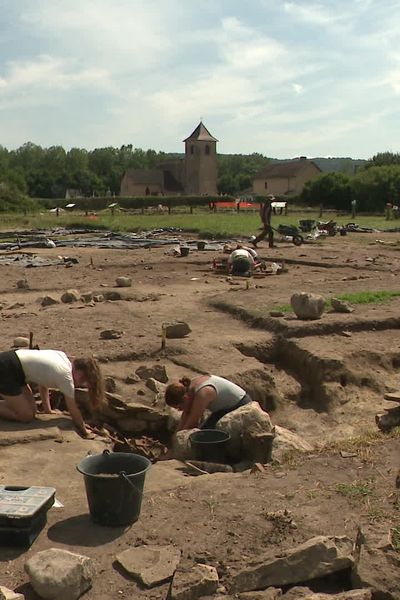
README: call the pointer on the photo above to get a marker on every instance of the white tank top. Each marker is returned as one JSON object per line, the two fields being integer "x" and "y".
{"x": 228, "y": 394}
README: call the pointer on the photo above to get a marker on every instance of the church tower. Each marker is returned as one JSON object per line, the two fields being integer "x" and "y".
{"x": 201, "y": 163}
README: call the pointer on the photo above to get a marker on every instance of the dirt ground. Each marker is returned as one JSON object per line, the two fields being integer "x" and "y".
{"x": 330, "y": 377}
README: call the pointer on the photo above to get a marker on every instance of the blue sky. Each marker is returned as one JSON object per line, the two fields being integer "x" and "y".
{"x": 283, "y": 78}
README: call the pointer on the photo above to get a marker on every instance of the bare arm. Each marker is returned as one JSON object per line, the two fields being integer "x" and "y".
{"x": 45, "y": 398}
{"x": 76, "y": 416}
{"x": 201, "y": 401}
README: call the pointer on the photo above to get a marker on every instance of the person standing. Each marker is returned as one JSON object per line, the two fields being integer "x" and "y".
{"x": 353, "y": 208}
{"x": 265, "y": 215}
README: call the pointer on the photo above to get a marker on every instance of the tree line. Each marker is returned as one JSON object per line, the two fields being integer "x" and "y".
{"x": 48, "y": 172}
{"x": 372, "y": 187}
{"x": 35, "y": 172}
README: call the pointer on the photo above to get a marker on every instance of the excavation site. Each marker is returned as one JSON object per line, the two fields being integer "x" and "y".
{"x": 295, "y": 494}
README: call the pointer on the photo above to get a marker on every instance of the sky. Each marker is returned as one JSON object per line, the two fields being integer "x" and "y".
{"x": 282, "y": 78}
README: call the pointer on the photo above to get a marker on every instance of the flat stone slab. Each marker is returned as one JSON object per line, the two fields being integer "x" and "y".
{"x": 194, "y": 582}
{"x": 6, "y": 594}
{"x": 317, "y": 557}
{"x": 151, "y": 565}
{"x": 392, "y": 396}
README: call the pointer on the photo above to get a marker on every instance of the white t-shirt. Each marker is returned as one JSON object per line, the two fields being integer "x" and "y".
{"x": 240, "y": 252}
{"x": 49, "y": 368}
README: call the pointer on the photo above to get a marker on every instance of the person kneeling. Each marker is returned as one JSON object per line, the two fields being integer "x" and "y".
{"x": 242, "y": 261}
{"x": 206, "y": 392}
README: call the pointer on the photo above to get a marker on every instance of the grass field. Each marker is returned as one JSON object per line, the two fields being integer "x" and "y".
{"x": 378, "y": 297}
{"x": 221, "y": 224}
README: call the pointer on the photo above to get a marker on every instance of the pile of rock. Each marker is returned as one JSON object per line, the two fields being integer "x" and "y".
{"x": 390, "y": 418}
{"x": 57, "y": 573}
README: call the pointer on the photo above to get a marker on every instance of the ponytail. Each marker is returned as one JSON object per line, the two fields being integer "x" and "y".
{"x": 185, "y": 381}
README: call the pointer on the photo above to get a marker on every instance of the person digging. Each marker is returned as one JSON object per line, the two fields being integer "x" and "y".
{"x": 47, "y": 369}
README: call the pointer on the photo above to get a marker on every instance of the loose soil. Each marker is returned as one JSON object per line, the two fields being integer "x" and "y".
{"x": 328, "y": 377}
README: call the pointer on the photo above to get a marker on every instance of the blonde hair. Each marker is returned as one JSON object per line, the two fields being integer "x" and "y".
{"x": 95, "y": 382}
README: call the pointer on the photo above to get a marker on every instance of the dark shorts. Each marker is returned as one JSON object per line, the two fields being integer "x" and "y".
{"x": 213, "y": 419}
{"x": 12, "y": 377}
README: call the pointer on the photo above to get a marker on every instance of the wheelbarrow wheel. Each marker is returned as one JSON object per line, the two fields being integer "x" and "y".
{"x": 298, "y": 240}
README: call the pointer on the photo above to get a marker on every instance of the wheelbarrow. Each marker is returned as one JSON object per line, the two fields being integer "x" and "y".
{"x": 290, "y": 231}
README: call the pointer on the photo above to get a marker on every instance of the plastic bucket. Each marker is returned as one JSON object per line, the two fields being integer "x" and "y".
{"x": 201, "y": 245}
{"x": 184, "y": 250}
{"x": 210, "y": 444}
{"x": 114, "y": 486}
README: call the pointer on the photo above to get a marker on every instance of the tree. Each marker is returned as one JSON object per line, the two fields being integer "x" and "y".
{"x": 332, "y": 190}
{"x": 383, "y": 159}
{"x": 374, "y": 187}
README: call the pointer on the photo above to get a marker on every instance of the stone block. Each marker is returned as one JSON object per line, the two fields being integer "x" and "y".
{"x": 123, "y": 282}
{"x": 157, "y": 372}
{"x": 57, "y": 574}
{"x": 21, "y": 342}
{"x": 194, "y": 582}
{"x": 307, "y": 306}
{"x": 151, "y": 565}
{"x": 6, "y": 594}
{"x": 177, "y": 330}
{"x": 243, "y": 425}
{"x": 70, "y": 296}
{"x": 318, "y": 557}
{"x": 49, "y": 301}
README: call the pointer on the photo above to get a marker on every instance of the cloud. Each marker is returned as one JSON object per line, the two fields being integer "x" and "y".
{"x": 118, "y": 32}
{"x": 316, "y": 14}
{"x": 36, "y": 82}
{"x": 298, "y": 88}
{"x": 300, "y": 75}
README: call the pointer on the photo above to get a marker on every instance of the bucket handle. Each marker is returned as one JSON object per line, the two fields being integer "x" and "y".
{"x": 123, "y": 475}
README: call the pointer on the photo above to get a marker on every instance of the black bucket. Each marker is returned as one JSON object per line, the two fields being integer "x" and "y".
{"x": 209, "y": 445}
{"x": 184, "y": 250}
{"x": 114, "y": 486}
{"x": 201, "y": 245}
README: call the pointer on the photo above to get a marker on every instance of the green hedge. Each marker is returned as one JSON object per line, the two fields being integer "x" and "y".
{"x": 101, "y": 203}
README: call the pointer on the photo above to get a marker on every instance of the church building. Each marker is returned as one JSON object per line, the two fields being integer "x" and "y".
{"x": 193, "y": 175}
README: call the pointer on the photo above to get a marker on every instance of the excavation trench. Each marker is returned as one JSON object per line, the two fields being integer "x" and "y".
{"x": 323, "y": 380}
{"x": 294, "y": 328}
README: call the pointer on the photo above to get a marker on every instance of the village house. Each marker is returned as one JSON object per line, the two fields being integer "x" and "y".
{"x": 195, "y": 174}
{"x": 284, "y": 178}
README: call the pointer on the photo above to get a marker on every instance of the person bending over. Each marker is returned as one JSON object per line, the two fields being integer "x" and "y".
{"x": 47, "y": 369}
{"x": 242, "y": 261}
{"x": 206, "y": 392}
